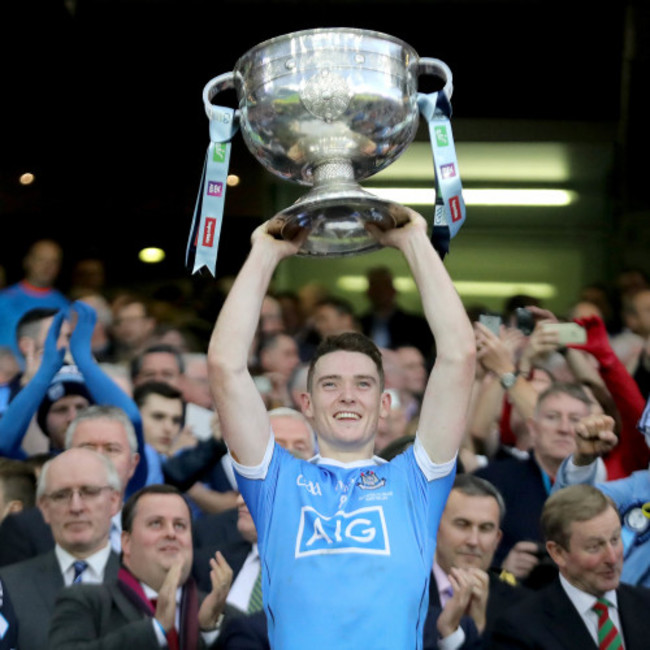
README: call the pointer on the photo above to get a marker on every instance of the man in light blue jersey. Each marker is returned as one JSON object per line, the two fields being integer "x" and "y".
{"x": 346, "y": 540}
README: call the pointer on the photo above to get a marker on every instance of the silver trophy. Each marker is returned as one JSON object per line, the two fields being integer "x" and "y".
{"x": 328, "y": 108}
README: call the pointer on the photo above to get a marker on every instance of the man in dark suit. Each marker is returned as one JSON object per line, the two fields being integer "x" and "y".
{"x": 587, "y": 606}
{"x": 526, "y": 483}
{"x": 388, "y": 325}
{"x": 104, "y": 429}
{"x": 153, "y": 601}
{"x": 78, "y": 493}
{"x": 468, "y": 536}
{"x": 9, "y": 624}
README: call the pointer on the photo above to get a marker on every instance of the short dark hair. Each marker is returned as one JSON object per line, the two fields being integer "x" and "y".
{"x": 130, "y": 506}
{"x": 574, "y": 503}
{"x": 474, "y": 486}
{"x": 341, "y": 305}
{"x": 347, "y": 342}
{"x": 18, "y": 482}
{"x": 29, "y": 323}
{"x": 141, "y": 392}
{"x": 136, "y": 362}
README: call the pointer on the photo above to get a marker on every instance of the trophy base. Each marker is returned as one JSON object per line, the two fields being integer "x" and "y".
{"x": 336, "y": 221}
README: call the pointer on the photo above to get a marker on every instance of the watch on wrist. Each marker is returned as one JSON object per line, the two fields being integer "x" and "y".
{"x": 508, "y": 379}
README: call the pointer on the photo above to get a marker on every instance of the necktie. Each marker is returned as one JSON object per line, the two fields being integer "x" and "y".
{"x": 255, "y": 602}
{"x": 171, "y": 635}
{"x": 79, "y": 567}
{"x": 609, "y": 638}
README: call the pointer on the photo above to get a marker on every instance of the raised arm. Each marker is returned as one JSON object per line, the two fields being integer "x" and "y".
{"x": 22, "y": 408}
{"x": 444, "y": 412}
{"x": 241, "y": 410}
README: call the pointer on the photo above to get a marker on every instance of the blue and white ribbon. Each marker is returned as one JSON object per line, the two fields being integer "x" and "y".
{"x": 203, "y": 243}
{"x": 449, "y": 213}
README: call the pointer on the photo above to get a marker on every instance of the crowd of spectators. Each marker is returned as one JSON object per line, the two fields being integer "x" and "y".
{"x": 95, "y": 373}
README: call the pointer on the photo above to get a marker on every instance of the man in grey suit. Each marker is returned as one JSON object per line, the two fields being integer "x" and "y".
{"x": 78, "y": 493}
{"x": 154, "y": 602}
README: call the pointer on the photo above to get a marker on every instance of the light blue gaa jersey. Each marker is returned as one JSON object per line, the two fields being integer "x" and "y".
{"x": 347, "y": 550}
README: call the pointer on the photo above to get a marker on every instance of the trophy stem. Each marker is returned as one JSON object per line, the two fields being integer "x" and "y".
{"x": 333, "y": 171}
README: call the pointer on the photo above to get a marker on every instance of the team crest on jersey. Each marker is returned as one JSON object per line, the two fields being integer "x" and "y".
{"x": 370, "y": 481}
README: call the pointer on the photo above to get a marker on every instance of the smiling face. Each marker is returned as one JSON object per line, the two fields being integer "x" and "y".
{"x": 345, "y": 404}
{"x": 160, "y": 537}
{"x": 593, "y": 559}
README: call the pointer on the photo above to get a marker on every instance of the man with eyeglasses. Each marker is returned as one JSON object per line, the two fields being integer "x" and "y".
{"x": 78, "y": 492}
{"x": 154, "y": 602}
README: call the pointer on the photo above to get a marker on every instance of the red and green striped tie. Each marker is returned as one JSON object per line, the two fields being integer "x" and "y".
{"x": 609, "y": 638}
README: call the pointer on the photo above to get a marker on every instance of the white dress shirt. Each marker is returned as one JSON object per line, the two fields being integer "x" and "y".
{"x": 208, "y": 637}
{"x": 242, "y": 588}
{"x": 94, "y": 574}
{"x": 584, "y": 602}
{"x": 115, "y": 534}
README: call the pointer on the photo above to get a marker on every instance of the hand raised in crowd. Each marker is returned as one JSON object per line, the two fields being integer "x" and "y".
{"x": 478, "y": 601}
{"x": 496, "y": 353}
{"x": 54, "y": 349}
{"x": 470, "y": 595}
{"x": 597, "y": 340}
{"x": 80, "y": 340}
{"x": 165, "y": 612}
{"x": 212, "y": 606}
{"x": 522, "y": 558}
{"x": 594, "y": 437}
{"x": 541, "y": 343}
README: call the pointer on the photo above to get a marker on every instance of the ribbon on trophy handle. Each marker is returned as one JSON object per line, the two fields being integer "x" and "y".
{"x": 449, "y": 214}
{"x": 203, "y": 242}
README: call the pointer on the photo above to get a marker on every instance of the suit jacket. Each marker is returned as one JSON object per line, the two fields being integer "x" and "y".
{"x": 24, "y": 535}
{"x": 216, "y": 529}
{"x": 245, "y": 633}
{"x": 501, "y": 595}
{"x": 240, "y": 631}
{"x": 404, "y": 329}
{"x": 9, "y": 633}
{"x": 547, "y": 620}
{"x": 90, "y": 617}
{"x": 473, "y": 640}
{"x": 522, "y": 486}
{"x": 33, "y": 586}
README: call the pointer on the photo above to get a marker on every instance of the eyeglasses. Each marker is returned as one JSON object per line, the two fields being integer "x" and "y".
{"x": 86, "y": 493}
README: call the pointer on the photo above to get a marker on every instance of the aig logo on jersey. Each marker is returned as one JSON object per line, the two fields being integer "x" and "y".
{"x": 361, "y": 531}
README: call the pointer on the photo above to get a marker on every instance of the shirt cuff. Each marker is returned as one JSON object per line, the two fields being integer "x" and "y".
{"x": 430, "y": 469}
{"x": 257, "y": 472}
{"x": 160, "y": 633}
{"x": 454, "y": 641}
{"x": 210, "y": 637}
{"x": 580, "y": 473}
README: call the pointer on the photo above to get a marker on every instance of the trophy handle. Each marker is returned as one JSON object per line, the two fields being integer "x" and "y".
{"x": 440, "y": 69}
{"x": 214, "y": 87}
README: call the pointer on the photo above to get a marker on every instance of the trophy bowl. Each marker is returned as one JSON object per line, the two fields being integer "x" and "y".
{"x": 327, "y": 108}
